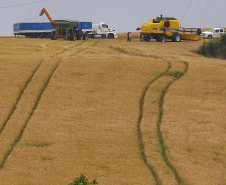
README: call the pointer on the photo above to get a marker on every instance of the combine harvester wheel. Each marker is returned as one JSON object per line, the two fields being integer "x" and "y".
{"x": 176, "y": 37}
{"x": 52, "y": 36}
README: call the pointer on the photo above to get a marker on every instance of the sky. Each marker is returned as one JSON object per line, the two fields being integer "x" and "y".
{"x": 122, "y": 15}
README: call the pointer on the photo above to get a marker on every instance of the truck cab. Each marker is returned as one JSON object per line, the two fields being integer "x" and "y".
{"x": 213, "y": 33}
{"x": 101, "y": 30}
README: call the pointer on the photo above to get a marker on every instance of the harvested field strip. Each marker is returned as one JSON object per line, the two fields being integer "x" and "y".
{"x": 155, "y": 160}
{"x": 160, "y": 137}
{"x": 19, "y": 97}
{"x": 139, "y": 133}
{"x": 16, "y": 125}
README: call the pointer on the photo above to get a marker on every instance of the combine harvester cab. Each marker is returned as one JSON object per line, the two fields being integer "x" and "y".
{"x": 163, "y": 28}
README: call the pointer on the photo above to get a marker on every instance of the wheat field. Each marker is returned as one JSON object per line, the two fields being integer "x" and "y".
{"x": 124, "y": 113}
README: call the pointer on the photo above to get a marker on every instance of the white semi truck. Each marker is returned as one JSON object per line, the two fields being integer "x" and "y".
{"x": 101, "y": 30}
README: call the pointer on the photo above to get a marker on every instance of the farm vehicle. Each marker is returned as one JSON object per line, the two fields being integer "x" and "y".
{"x": 42, "y": 29}
{"x": 68, "y": 29}
{"x": 163, "y": 28}
{"x": 79, "y": 30}
{"x": 101, "y": 30}
{"x": 213, "y": 33}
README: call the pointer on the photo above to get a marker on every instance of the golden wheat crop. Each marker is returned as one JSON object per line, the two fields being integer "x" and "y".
{"x": 123, "y": 113}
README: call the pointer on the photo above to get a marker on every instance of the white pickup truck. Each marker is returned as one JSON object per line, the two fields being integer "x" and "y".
{"x": 213, "y": 33}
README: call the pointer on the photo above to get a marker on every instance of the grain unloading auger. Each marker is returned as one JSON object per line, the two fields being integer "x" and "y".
{"x": 68, "y": 29}
{"x": 163, "y": 28}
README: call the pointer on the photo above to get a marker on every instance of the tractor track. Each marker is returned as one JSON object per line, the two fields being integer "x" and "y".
{"x": 14, "y": 126}
{"x": 62, "y": 52}
{"x": 133, "y": 53}
{"x": 139, "y": 132}
{"x": 69, "y": 48}
{"x": 19, "y": 118}
{"x": 159, "y": 132}
{"x": 19, "y": 97}
{"x": 174, "y": 76}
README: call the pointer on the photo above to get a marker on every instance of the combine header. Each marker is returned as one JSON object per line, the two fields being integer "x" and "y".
{"x": 163, "y": 28}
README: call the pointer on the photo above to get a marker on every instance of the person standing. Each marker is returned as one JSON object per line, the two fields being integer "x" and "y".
{"x": 141, "y": 37}
{"x": 129, "y": 37}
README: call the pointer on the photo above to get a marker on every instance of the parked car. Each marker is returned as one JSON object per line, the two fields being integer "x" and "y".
{"x": 213, "y": 33}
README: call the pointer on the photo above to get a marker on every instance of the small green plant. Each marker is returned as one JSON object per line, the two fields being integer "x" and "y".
{"x": 82, "y": 180}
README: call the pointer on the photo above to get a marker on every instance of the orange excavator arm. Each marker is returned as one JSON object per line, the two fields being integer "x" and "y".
{"x": 47, "y": 14}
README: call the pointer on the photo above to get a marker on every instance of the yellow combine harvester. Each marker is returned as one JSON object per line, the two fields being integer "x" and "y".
{"x": 163, "y": 28}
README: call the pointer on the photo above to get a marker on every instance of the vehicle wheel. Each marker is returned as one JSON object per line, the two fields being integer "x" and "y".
{"x": 161, "y": 38}
{"x": 85, "y": 36}
{"x": 79, "y": 34}
{"x": 176, "y": 37}
{"x": 209, "y": 37}
{"x": 147, "y": 38}
{"x": 72, "y": 36}
{"x": 110, "y": 36}
{"x": 52, "y": 36}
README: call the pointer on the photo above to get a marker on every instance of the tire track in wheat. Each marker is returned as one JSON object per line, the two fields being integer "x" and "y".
{"x": 27, "y": 104}
{"x": 165, "y": 80}
{"x": 139, "y": 132}
{"x": 176, "y": 76}
{"x": 19, "y": 97}
{"x": 141, "y": 143}
{"x": 134, "y": 53}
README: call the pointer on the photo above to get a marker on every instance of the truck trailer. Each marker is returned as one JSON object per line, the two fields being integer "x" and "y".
{"x": 33, "y": 30}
